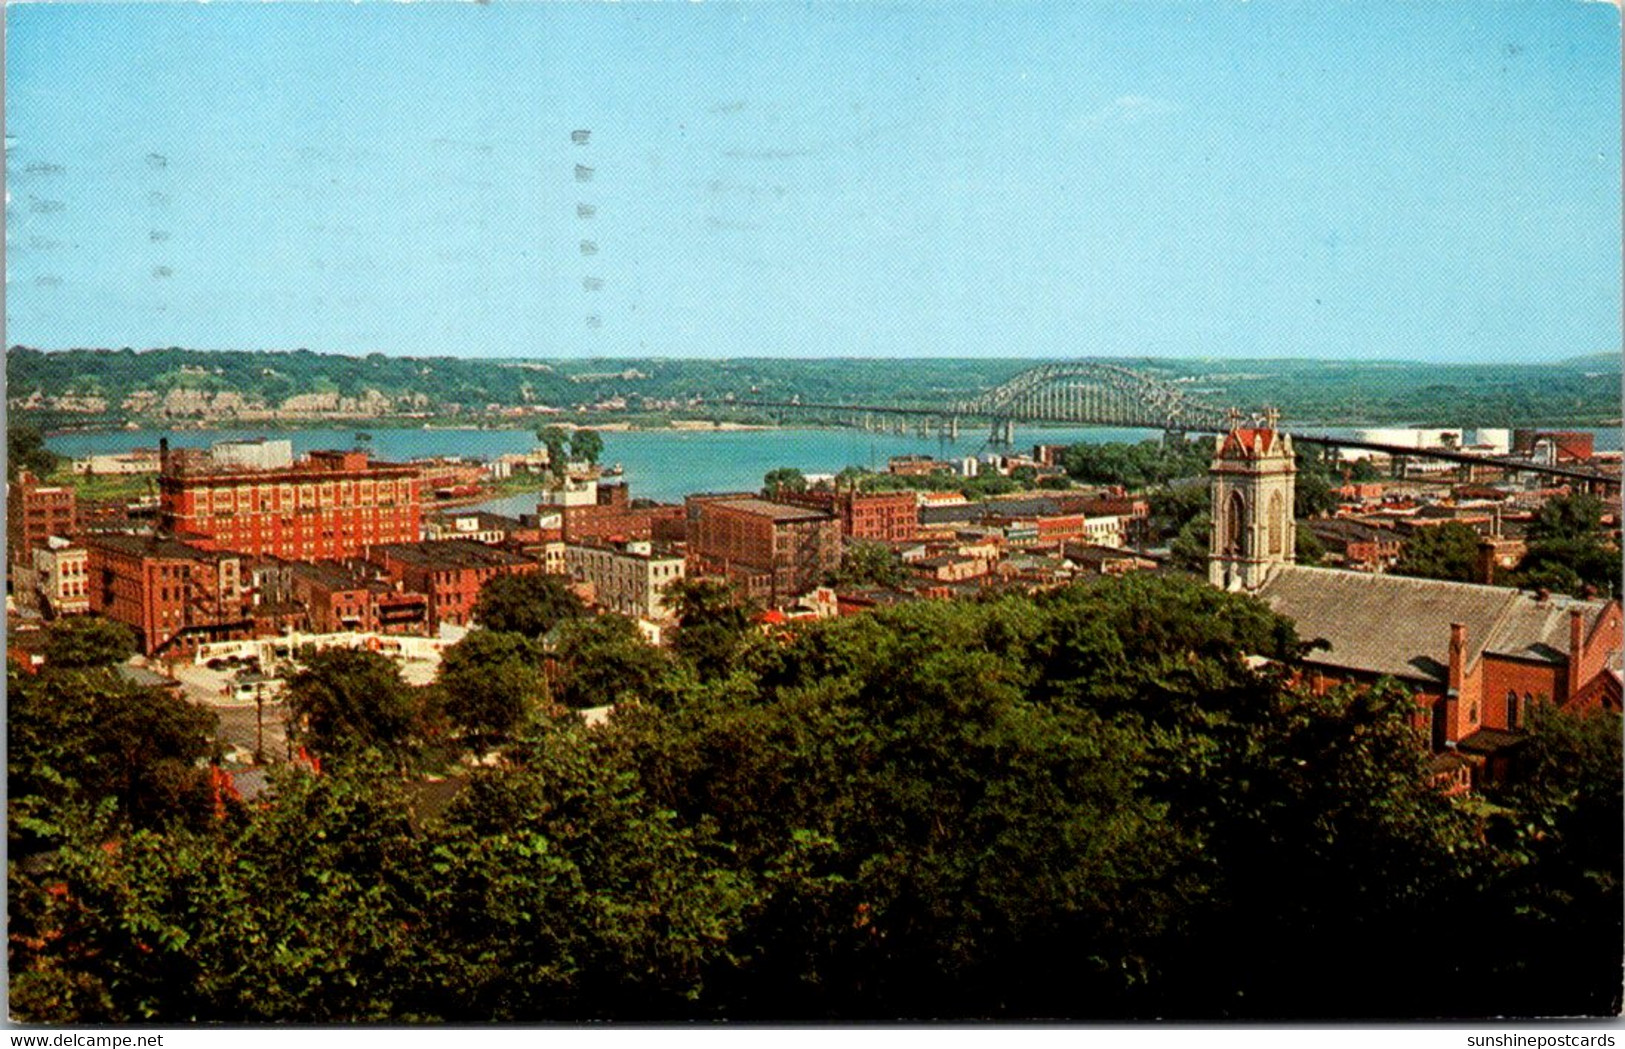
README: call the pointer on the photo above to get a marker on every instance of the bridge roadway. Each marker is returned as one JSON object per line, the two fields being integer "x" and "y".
{"x": 1591, "y": 477}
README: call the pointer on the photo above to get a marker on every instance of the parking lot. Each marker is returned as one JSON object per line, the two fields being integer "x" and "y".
{"x": 246, "y": 725}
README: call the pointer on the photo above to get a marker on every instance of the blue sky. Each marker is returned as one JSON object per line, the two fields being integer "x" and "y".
{"x": 1424, "y": 181}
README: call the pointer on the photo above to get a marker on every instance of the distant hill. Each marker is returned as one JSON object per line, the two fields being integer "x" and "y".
{"x": 1594, "y": 361}
{"x": 225, "y": 387}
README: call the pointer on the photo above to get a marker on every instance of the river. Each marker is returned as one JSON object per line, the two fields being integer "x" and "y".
{"x": 664, "y": 465}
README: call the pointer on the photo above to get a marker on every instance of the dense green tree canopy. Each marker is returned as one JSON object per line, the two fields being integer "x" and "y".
{"x": 1175, "y": 506}
{"x": 87, "y": 641}
{"x": 1448, "y": 551}
{"x": 1099, "y": 803}
{"x": 783, "y": 479}
{"x": 869, "y": 564}
{"x": 529, "y": 604}
{"x": 1137, "y": 465}
{"x": 25, "y": 450}
{"x": 556, "y": 440}
{"x": 1313, "y": 495}
{"x": 79, "y": 737}
{"x": 344, "y": 701}
{"x": 586, "y": 445}
{"x": 1567, "y": 517}
{"x": 603, "y": 660}
{"x": 1568, "y": 550}
{"x": 712, "y": 619}
{"x": 491, "y": 681}
{"x": 1190, "y": 546}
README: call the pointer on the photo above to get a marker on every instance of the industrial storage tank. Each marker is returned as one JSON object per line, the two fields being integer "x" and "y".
{"x": 1438, "y": 439}
{"x": 1403, "y": 437}
{"x": 1496, "y": 440}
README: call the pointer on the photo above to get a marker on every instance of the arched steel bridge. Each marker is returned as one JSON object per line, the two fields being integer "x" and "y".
{"x": 1100, "y": 393}
{"x": 1094, "y": 393}
{"x": 1083, "y": 393}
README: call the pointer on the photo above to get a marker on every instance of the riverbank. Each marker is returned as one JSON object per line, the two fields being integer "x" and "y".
{"x": 664, "y": 465}
{"x": 360, "y": 426}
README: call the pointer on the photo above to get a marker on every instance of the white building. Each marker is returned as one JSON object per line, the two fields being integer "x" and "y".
{"x": 139, "y": 461}
{"x": 261, "y": 454}
{"x": 62, "y": 577}
{"x": 477, "y": 525}
{"x": 574, "y": 492}
{"x": 1105, "y": 531}
{"x": 629, "y": 578}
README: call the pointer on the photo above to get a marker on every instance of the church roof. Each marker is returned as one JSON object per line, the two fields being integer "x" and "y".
{"x": 1249, "y": 442}
{"x": 1400, "y": 626}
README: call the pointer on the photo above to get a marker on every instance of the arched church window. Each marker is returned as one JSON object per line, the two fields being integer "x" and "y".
{"x": 1277, "y": 529}
{"x": 1512, "y": 709}
{"x": 1235, "y": 544}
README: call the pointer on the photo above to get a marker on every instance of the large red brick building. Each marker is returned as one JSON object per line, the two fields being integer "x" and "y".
{"x": 172, "y": 594}
{"x": 876, "y": 516}
{"x": 1475, "y": 658}
{"x": 449, "y": 572}
{"x": 611, "y": 517}
{"x": 773, "y": 551}
{"x": 328, "y": 505}
{"x": 336, "y": 599}
{"x": 34, "y": 513}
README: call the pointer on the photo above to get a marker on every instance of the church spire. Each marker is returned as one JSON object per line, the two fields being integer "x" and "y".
{"x": 1252, "y": 484}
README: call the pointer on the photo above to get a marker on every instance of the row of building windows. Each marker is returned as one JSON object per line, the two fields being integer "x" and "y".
{"x": 265, "y": 497}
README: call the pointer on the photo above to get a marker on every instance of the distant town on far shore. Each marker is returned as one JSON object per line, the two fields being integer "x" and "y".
{"x": 93, "y": 389}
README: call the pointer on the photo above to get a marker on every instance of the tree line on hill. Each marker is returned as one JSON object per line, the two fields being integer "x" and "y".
{"x": 1572, "y": 393}
{"x": 1091, "y": 804}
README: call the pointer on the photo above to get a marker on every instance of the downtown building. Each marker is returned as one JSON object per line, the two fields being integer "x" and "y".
{"x": 448, "y": 572}
{"x": 34, "y": 513}
{"x": 254, "y": 498}
{"x": 773, "y": 552}
{"x": 885, "y": 517}
{"x": 629, "y": 578}
{"x": 173, "y": 595}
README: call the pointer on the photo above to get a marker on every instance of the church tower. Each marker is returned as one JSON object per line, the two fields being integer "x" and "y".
{"x": 1252, "y": 489}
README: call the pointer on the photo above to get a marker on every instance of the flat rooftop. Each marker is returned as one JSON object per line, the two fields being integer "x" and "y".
{"x": 154, "y": 547}
{"x": 775, "y": 511}
{"x": 450, "y": 553}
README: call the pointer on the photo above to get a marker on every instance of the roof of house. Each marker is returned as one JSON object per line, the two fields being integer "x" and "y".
{"x": 1489, "y": 741}
{"x": 329, "y": 576}
{"x": 944, "y": 560}
{"x": 1348, "y": 530}
{"x": 1038, "y": 506}
{"x": 1398, "y": 625}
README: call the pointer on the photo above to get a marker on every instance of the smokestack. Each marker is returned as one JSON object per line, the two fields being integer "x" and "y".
{"x": 1577, "y": 633}
{"x": 1458, "y": 655}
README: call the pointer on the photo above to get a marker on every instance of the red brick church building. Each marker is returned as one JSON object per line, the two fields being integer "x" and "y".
{"x": 1476, "y": 658}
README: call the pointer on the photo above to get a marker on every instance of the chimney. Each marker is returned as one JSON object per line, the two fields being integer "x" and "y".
{"x": 1577, "y": 635}
{"x": 1458, "y": 656}
{"x": 163, "y": 456}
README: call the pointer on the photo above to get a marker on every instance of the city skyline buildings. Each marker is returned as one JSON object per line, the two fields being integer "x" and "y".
{"x": 1248, "y": 180}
